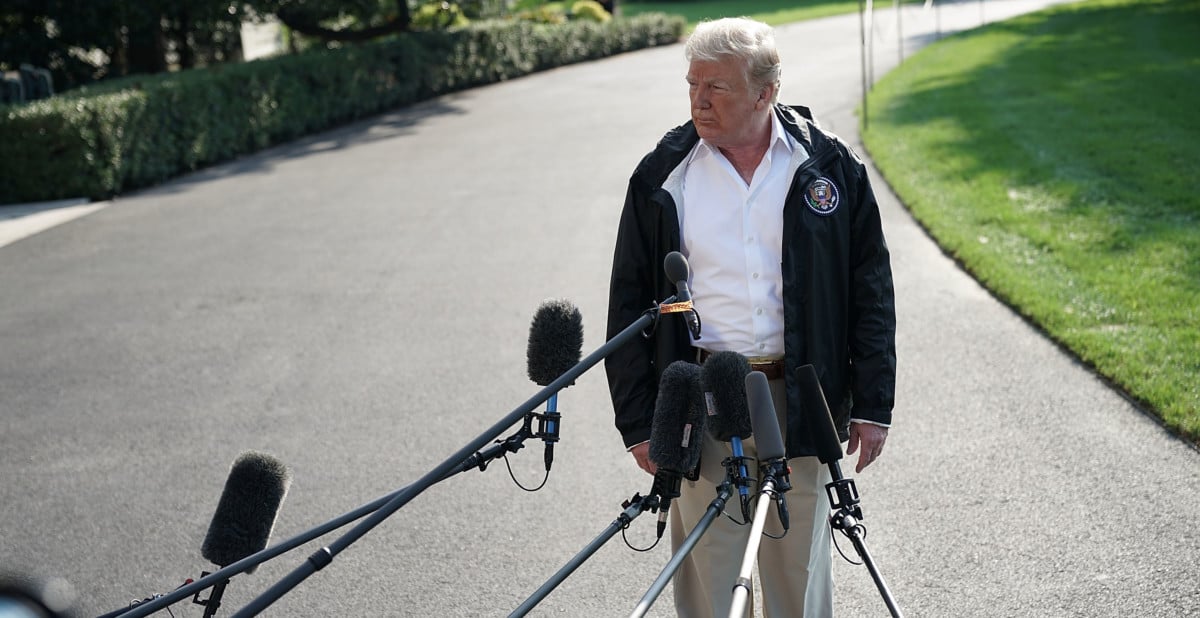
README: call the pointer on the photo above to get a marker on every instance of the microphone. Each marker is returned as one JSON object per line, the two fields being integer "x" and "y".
{"x": 247, "y": 509}
{"x": 843, "y": 493}
{"x": 767, "y": 438}
{"x": 678, "y": 272}
{"x": 723, "y": 379}
{"x": 555, "y": 346}
{"x": 245, "y": 516}
{"x": 676, "y": 432}
{"x": 829, "y": 446}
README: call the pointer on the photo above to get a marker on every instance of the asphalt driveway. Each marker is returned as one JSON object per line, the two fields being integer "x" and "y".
{"x": 358, "y": 303}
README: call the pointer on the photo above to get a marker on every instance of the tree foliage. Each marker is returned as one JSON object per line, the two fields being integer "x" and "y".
{"x": 84, "y": 41}
{"x": 81, "y": 41}
{"x": 339, "y": 20}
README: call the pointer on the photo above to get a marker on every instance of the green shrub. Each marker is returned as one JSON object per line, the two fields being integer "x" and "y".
{"x": 139, "y": 131}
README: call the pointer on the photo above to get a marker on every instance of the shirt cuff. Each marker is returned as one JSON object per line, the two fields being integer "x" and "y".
{"x": 865, "y": 421}
{"x": 630, "y": 449}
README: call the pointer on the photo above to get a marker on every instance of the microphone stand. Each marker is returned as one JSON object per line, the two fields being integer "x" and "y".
{"x": 636, "y": 506}
{"x": 324, "y": 556}
{"x": 733, "y": 477}
{"x": 843, "y": 498}
{"x": 775, "y": 484}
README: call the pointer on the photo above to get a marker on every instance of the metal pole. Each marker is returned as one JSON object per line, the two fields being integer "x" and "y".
{"x": 741, "y": 588}
{"x": 715, "y": 508}
{"x": 636, "y": 507}
{"x": 862, "y": 53}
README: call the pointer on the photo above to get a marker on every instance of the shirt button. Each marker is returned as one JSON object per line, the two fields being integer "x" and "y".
{"x": 759, "y": 311}
{"x": 755, "y": 275}
{"x": 762, "y": 346}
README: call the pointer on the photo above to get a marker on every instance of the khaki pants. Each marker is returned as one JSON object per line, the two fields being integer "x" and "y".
{"x": 795, "y": 575}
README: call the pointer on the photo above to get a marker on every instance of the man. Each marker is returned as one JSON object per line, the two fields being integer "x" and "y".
{"x": 789, "y": 267}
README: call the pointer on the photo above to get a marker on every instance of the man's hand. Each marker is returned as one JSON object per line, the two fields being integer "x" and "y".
{"x": 641, "y": 453}
{"x": 870, "y": 438}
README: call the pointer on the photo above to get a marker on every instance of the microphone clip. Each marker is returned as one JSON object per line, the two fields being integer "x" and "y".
{"x": 213, "y": 602}
{"x": 738, "y": 481}
{"x": 548, "y": 425}
{"x": 654, "y": 313}
{"x": 778, "y": 470}
{"x": 667, "y": 485}
{"x": 734, "y": 467}
{"x": 843, "y": 497}
{"x": 673, "y": 305}
{"x": 691, "y": 317}
{"x": 779, "y": 473}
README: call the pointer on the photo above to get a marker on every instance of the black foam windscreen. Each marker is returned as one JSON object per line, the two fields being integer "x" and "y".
{"x": 679, "y": 418}
{"x": 555, "y": 341}
{"x": 677, "y": 269}
{"x": 816, "y": 408}
{"x": 246, "y": 513}
{"x": 723, "y": 380}
{"x": 767, "y": 438}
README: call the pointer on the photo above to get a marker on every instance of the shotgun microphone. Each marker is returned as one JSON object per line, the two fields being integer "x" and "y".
{"x": 768, "y": 440}
{"x": 816, "y": 408}
{"x": 678, "y": 272}
{"x": 247, "y": 509}
{"x": 723, "y": 378}
{"x": 555, "y": 346}
{"x": 245, "y": 516}
{"x": 843, "y": 493}
{"x": 676, "y": 433}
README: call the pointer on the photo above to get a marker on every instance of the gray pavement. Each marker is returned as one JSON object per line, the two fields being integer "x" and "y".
{"x": 357, "y": 303}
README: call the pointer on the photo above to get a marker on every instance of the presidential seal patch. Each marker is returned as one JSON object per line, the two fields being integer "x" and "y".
{"x": 822, "y": 196}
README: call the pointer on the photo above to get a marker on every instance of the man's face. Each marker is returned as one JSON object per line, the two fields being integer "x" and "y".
{"x": 726, "y": 110}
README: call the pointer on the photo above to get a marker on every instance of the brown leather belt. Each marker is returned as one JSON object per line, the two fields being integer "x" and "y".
{"x": 772, "y": 368}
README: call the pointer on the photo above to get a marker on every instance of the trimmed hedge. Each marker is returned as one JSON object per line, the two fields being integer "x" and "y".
{"x": 140, "y": 131}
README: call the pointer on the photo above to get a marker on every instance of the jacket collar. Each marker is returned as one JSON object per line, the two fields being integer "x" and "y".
{"x": 797, "y": 120}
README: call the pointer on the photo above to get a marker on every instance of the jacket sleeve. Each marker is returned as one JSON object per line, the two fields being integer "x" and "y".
{"x": 872, "y": 324}
{"x": 632, "y": 380}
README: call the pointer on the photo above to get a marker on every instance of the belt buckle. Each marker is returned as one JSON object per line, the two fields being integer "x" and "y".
{"x": 772, "y": 367}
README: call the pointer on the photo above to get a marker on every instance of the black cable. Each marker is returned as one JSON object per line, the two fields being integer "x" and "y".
{"x": 508, "y": 465}
{"x": 862, "y": 530}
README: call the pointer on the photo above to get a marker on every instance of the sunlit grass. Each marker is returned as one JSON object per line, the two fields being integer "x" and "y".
{"x": 1055, "y": 156}
{"x": 773, "y": 12}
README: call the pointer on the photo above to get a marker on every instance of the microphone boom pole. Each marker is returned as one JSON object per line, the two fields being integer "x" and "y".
{"x": 741, "y": 587}
{"x": 249, "y": 562}
{"x": 715, "y": 508}
{"x": 322, "y": 557}
{"x": 633, "y": 508}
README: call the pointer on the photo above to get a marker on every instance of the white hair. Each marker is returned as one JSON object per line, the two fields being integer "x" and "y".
{"x": 740, "y": 37}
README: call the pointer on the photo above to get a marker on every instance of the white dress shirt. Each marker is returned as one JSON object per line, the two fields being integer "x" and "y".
{"x": 732, "y": 236}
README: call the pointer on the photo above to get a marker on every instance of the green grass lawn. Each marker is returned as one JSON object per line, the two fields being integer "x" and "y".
{"x": 773, "y": 12}
{"x": 1057, "y": 157}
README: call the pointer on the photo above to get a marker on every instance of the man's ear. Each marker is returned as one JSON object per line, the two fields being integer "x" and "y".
{"x": 765, "y": 95}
